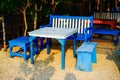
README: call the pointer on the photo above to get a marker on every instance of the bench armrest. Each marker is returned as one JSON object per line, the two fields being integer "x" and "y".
{"x": 88, "y": 29}
{"x": 88, "y": 33}
{"x": 46, "y": 25}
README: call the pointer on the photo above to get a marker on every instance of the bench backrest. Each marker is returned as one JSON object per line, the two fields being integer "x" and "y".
{"x": 111, "y": 16}
{"x": 79, "y": 22}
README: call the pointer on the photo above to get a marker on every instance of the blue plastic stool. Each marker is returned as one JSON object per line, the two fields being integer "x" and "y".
{"x": 86, "y": 55}
{"x": 24, "y": 44}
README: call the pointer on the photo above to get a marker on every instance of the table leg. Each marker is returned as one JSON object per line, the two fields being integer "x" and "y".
{"x": 62, "y": 42}
{"x": 41, "y": 44}
{"x": 74, "y": 45}
{"x": 48, "y": 45}
{"x": 31, "y": 50}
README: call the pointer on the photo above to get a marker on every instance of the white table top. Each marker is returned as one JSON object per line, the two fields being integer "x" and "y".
{"x": 50, "y": 32}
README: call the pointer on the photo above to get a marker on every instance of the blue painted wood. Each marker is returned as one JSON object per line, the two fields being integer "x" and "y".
{"x": 24, "y": 44}
{"x": 118, "y": 51}
{"x": 32, "y": 49}
{"x": 41, "y": 44}
{"x": 62, "y": 42}
{"x": 86, "y": 55}
{"x": 84, "y": 62}
{"x": 60, "y": 34}
{"x": 79, "y": 22}
{"x": 107, "y": 32}
{"x": 84, "y": 25}
{"x": 48, "y": 45}
{"x": 74, "y": 45}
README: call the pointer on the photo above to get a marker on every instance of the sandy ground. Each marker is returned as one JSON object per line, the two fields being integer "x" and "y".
{"x": 48, "y": 67}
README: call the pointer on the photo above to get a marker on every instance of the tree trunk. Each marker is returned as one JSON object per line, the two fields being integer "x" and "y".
{"x": 3, "y": 30}
{"x": 25, "y": 21}
{"x": 100, "y": 8}
{"x": 53, "y": 6}
{"x": 116, "y": 5}
{"x": 35, "y": 18}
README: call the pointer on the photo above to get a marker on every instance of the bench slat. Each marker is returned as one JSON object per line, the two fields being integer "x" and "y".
{"x": 112, "y": 16}
{"x": 75, "y": 22}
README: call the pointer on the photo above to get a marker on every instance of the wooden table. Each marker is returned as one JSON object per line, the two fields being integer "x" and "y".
{"x": 60, "y": 34}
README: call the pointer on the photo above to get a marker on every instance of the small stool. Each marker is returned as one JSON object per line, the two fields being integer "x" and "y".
{"x": 24, "y": 44}
{"x": 86, "y": 55}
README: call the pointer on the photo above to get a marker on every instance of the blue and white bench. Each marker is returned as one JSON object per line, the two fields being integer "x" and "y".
{"x": 83, "y": 24}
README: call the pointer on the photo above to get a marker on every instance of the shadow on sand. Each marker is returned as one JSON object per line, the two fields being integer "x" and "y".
{"x": 40, "y": 69}
{"x": 115, "y": 57}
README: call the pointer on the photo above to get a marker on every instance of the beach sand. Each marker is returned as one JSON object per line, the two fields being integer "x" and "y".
{"x": 48, "y": 67}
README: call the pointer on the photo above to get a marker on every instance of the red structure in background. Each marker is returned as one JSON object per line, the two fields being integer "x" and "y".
{"x": 105, "y": 22}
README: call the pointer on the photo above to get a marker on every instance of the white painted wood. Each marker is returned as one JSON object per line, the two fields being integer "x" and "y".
{"x": 50, "y": 32}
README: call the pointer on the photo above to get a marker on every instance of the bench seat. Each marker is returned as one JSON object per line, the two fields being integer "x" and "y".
{"x": 86, "y": 55}
{"x": 107, "y": 32}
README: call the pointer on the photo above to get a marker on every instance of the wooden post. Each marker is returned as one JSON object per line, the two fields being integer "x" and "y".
{"x": 116, "y": 4}
{"x": 100, "y": 2}
{"x": 53, "y": 5}
{"x": 4, "y": 36}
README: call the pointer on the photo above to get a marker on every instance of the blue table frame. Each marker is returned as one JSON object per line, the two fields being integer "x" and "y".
{"x": 49, "y": 32}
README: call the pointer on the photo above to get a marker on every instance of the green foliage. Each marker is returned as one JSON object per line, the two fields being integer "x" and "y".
{"x": 20, "y": 3}
{"x": 7, "y": 6}
{"x": 13, "y": 5}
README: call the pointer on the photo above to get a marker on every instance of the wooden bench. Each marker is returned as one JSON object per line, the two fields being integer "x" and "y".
{"x": 86, "y": 55}
{"x": 110, "y": 23}
{"x": 107, "y": 32}
{"x": 107, "y": 15}
{"x": 84, "y": 25}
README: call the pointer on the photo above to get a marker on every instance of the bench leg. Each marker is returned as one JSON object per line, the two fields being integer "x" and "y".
{"x": 94, "y": 60}
{"x": 25, "y": 53}
{"x": 84, "y": 62}
{"x": 117, "y": 39}
{"x": 118, "y": 51}
{"x": 11, "y": 54}
{"x": 91, "y": 39}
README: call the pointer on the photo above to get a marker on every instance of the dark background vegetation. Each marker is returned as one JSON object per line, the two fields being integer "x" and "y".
{"x": 14, "y": 24}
